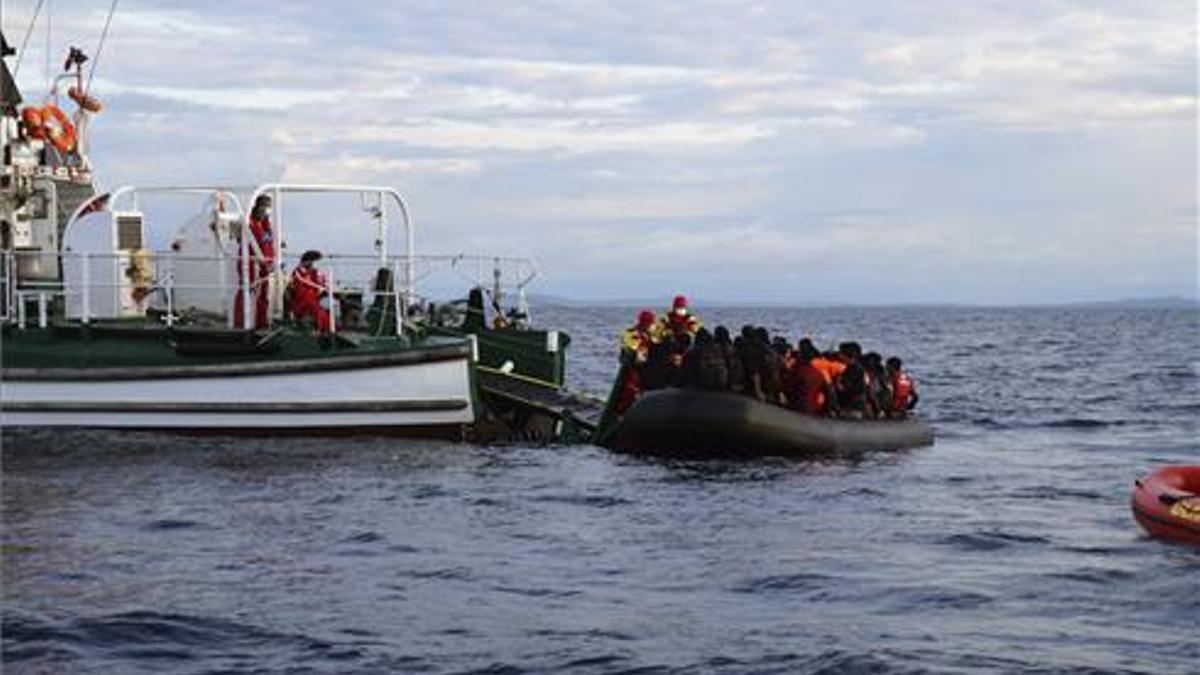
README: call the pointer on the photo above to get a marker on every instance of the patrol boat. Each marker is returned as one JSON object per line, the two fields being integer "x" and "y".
{"x": 115, "y": 315}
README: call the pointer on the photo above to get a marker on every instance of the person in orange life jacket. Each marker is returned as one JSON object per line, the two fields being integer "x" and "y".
{"x": 808, "y": 388}
{"x": 904, "y": 392}
{"x": 260, "y": 265}
{"x": 309, "y": 292}
{"x": 636, "y": 343}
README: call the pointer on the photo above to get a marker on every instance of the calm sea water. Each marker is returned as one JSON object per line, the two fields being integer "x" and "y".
{"x": 1006, "y": 547}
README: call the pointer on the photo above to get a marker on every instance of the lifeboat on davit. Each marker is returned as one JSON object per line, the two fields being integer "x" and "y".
{"x": 1166, "y": 503}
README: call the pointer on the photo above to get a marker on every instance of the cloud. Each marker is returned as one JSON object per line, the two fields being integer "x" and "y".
{"x": 983, "y": 139}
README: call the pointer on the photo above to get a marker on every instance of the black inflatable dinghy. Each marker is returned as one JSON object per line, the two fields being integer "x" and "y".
{"x": 710, "y": 423}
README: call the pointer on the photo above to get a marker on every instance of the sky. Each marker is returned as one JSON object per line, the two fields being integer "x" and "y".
{"x": 894, "y": 151}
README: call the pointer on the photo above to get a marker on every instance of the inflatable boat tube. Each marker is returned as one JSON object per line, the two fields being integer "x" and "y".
{"x": 691, "y": 422}
{"x": 1167, "y": 503}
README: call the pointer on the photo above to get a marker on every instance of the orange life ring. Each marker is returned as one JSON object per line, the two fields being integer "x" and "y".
{"x": 58, "y": 128}
{"x": 85, "y": 101}
{"x": 32, "y": 118}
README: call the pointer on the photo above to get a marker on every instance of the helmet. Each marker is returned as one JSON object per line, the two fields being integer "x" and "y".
{"x": 645, "y": 318}
{"x": 679, "y": 307}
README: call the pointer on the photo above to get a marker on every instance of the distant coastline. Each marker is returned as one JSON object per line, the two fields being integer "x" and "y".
{"x": 1156, "y": 302}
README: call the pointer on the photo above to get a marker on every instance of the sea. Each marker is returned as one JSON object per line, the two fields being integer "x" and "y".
{"x": 1007, "y": 547}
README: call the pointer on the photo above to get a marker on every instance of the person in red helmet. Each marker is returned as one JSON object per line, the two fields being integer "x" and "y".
{"x": 679, "y": 322}
{"x": 637, "y": 339}
{"x": 636, "y": 342}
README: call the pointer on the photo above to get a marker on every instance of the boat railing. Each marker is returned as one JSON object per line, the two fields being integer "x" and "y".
{"x": 504, "y": 278}
{"x": 85, "y": 287}
{"x": 171, "y": 287}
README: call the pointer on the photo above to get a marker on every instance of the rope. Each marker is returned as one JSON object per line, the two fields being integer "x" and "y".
{"x": 25, "y": 41}
{"x": 49, "y": 39}
{"x": 100, "y": 47}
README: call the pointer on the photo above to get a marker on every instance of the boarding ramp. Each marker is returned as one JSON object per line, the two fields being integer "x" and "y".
{"x": 537, "y": 410}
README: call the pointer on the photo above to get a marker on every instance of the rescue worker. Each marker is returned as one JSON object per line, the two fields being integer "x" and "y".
{"x": 904, "y": 392}
{"x": 678, "y": 321}
{"x": 309, "y": 292}
{"x": 636, "y": 343}
{"x": 261, "y": 263}
{"x": 636, "y": 340}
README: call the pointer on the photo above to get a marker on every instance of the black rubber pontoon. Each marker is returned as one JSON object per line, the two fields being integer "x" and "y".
{"x": 696, "y": 422}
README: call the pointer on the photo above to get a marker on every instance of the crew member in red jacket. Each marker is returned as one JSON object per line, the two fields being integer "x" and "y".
{"x": 309, "y": 292}
{"x": 262, "y": 262}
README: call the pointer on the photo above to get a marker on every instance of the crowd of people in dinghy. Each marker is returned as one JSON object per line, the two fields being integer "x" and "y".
{"x": 678, "y": 351}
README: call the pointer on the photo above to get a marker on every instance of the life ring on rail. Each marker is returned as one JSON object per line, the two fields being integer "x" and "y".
{"x": 85, "y": 101}
{"x": 58, "y": 128}
{"x": 31, "y": 117}
{"x": 1167, "y": 503}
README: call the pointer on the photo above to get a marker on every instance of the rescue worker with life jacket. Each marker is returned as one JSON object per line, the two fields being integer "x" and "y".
{"x": 261, "y": 263}
{"x": 309, "y": 292}
{"x": 904, "y": 392}
{"x": 636, "y": 343}
{"x": 679, "y": 321}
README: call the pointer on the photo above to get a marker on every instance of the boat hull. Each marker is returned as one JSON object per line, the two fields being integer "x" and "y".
{"x": 1166, "y": 503}
{"x": 706, "y": 423}
{"x": 421, "y": 390}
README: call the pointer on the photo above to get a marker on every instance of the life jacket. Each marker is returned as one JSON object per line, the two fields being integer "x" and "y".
{"x": 636, "y": 343}
{"x": 832, "y": 370}
{"x": 902, "y": 390}
{"x": 674, "y": 324}
{"x": 807, "y": 392}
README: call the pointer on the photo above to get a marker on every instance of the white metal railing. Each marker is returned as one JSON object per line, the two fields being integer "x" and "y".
{"x": 353, "y": 282}
{"x": 107, "y": 280}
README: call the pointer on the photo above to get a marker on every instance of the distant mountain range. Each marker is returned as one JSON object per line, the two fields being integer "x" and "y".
{"x": 1161, "y": 302}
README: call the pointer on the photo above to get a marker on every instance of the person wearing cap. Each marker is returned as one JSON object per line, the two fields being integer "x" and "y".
{"x": 637, "y": 339}
{"x": 636, "y": 343}
{"x": 678, "y": 322}
{"x": 309, "y": 292}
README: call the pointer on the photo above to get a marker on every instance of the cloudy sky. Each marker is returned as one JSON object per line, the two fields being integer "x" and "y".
{"x": 889, "y": 151}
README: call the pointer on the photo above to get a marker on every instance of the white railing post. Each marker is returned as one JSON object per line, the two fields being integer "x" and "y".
{"x": 43, "y": 320}
{"x": 86, "y": 301}
{"x": 329, "y": 294}
{"x": 169, "y": 289}
{"x": 20, "y": 310}
{"x": 401, "y": 300}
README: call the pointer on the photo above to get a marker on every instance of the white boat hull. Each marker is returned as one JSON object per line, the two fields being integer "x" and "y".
{"x": 425, "y": 394}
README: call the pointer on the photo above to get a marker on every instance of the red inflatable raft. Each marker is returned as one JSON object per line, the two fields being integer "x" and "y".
{"x": 1167, "y": 503}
